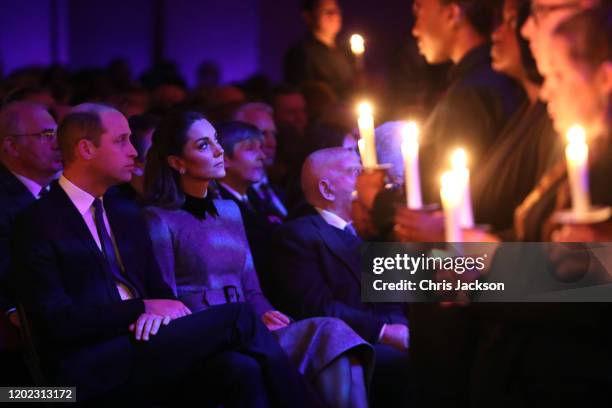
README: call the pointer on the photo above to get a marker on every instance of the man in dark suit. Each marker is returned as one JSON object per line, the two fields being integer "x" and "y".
{"x": 244, "y": 166}
{"x": 29, "y": 160}
{"x": 317, "y": 271}
{"x": 102, "y": 317}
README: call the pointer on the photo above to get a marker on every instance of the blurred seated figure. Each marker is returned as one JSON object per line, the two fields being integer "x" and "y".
{"x": 267, "y": 193}
{"x": 317, "y": 272}
{"x": 204, "y": 254}
{"x": 141, "y": 127}
{"x": 29, "y": 161}
{"x": 289, "y": 107}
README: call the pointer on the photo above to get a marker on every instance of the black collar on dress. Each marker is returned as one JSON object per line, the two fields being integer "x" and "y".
{"x": 198, "y": 207}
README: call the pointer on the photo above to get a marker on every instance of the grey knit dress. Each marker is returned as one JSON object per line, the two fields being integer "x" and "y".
{"x": 207, "y": 262}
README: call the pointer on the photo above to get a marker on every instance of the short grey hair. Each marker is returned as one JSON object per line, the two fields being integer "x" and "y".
{"x": 389, "y": 148}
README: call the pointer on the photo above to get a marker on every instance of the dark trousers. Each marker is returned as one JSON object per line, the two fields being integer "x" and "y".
{"x": 393, "y": 383}
{"x": 237, "y": 359}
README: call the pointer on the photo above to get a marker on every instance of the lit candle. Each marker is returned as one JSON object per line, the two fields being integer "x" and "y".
{"x": 577, "y": 156}
{"x": 451, "y": 195}
{"x": 412, "y": 177}
{"x": 358, "y": 49}
{"x": 366, "y": 130}
{"x": 459, "y": 164}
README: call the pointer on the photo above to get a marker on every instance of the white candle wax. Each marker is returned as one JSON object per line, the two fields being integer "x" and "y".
{"x": 459, "y": 164}
{"x": 366, "y": 130}
{"x": 412, "y": 177}
{"x": 451, "y": 195}
{"x": 577, "y": 156}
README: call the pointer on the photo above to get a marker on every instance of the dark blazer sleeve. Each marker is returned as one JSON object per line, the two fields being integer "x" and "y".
{"x": 43, "y": 292}
{"x": 301, "y": 285}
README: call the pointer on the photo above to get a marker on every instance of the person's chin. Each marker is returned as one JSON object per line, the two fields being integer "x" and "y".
{"x": 220, "y": 173}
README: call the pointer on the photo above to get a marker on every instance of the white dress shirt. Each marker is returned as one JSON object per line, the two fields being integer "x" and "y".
{"x": 240, "y": 197}
{"x": 83, "y": 201}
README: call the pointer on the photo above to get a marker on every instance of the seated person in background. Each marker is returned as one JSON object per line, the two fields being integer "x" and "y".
{"x": 289, "y": 108}
{"x": 243, "y": 156}
{"x": 142, "y": 127}
{"x": 204, "y": 255}
{"x": 102, "y": 316}
{"x": 265, "y": 194}
{"x": 29, "y": 160}
{"x": 317, "y": 271}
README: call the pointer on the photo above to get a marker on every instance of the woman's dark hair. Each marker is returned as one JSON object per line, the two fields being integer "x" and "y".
{"x": 589, "y": 34}
{"x": 161, "y": 183}
{"x": 529, "y": 63}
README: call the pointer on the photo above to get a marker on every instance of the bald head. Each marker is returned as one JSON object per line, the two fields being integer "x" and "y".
{"x": 329, "y": 176}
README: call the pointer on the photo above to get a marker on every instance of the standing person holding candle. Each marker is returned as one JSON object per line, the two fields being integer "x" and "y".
{"x": 479, "y": 101}
{"x": 565, "y": 347}
{"x": 318, "y": 57}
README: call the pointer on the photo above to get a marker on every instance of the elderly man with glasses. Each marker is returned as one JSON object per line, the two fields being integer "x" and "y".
{"x": 29, "y": 161}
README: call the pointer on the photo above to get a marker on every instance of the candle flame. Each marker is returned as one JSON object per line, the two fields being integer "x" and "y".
{"x": 576, "y": 135}
{"x": 357, "y": 44}
{"x": 459, "y": 159}
{"x": 364, "y": 109}
{"x": 410, "y": 132}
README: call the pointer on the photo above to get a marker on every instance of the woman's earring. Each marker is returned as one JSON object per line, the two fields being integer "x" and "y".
{"x": 182, "y": 171}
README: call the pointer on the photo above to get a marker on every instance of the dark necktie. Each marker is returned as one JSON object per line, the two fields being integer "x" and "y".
{"x": 43, "y": 192}
{"x": 112, "y": 263}
{"x": 350, "y": 229}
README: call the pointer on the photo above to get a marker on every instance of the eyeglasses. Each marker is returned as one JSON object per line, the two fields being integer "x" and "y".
{"x": 540, "y": 11}
{"x": 45, "y": 135}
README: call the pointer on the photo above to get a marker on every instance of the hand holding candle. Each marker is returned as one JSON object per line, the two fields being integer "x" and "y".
{"x": 410, "y": 153}
{"x": 367, "y": 144}
{"x": 577, "y": 156}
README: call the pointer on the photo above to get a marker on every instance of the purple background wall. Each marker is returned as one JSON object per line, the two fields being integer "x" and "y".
{"x": 243, "y": 36}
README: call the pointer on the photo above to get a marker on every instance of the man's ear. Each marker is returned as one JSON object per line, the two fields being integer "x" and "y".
{"x": 454, "y": 14}
{"x": 86, "y": 149}
{"x": 9, "y": 145}
{"x": 326, "y": 190}
{"x": 177, "y": 164}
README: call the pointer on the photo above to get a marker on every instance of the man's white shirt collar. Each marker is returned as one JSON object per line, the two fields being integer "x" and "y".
{"x": 33, "y": 187}
{"x": 239, "y": 197}
{"x": 332, "y": 219}
{"x": 81, "y": 199}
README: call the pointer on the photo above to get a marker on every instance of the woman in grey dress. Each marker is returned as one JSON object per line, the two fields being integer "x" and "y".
{"x": 201, "y": 246}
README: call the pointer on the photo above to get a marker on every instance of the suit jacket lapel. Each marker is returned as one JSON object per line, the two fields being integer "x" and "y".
{"x": 331, "y": 237}
{"x": 72, "y": 220}
{"x": 15, "y": 189}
